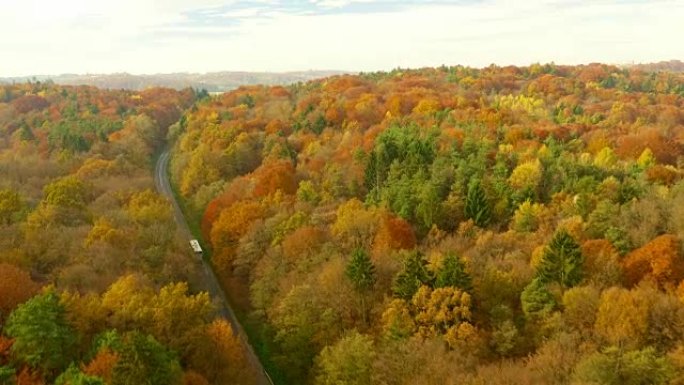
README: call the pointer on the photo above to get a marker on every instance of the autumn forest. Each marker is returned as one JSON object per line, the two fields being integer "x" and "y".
{"x": 450, "y": 225}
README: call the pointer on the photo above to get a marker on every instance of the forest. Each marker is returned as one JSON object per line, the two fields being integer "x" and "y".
{"x": 451, "y": 225}
{"x": 95, "y": 287}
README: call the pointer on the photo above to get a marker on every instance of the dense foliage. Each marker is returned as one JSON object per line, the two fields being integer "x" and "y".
{"x": 450, "y": 225}
{"x": 95, "y": 285}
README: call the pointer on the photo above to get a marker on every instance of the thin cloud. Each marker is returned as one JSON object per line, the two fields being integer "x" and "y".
{"x": 148, "y": 36}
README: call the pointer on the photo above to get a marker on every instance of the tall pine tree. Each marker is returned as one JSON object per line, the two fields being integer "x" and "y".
{"x": 413, "y": 275}
{"x": 453, "y": 274}
{"x": 561, "y": 262}
{"x": 476, "y": 205}
{"x": 536, "y": 300}
{"x": 360, "y": 271}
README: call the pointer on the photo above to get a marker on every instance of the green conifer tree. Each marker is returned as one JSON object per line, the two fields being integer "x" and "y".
{"x": 360, "y": 271}
{"x": 561, "y": 262}
{"x": 476, "y": 205}
{"x": 412, "y": 276}
{"x": 536, "y": 300}
{"x": 453, "y": 273}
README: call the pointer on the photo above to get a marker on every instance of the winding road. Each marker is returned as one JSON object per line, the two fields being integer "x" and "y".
{"x": 161, "y": 180}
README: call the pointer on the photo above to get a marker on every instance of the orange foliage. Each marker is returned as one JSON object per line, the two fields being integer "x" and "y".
{"x": 302, "y": 242}
{"x": 28, "y": 103}
{"x": 221, "y": 358}
{"x": 238, "y": 189}
{"x": 664, "y": 149}
{"x": 394, "y": 233}
{"x": 600, "y": 259}
{"x": 275, "y": 126}
{"x": 193, "y": 378}
{"x": 102, "y": 365}
{"x": 16, "y": 287}
{"x": 663, "y": 175}
{"x": 231, "y": 225}
{"x": 658, "y": 260}
{"x": 28, "y": 377}
{"x": 5, "y": 345}
{"x": 275, "y": 176}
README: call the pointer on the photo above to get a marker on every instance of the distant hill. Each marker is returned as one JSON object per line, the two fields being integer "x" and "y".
{"x": 212, "y": 82}
{"x": 671, "y": 65}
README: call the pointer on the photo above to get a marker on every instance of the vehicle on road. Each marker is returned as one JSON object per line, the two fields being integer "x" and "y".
{"x": 195, "y": 246}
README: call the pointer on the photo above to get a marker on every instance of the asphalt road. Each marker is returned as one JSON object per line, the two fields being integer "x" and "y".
{"x": 161, "y": 180}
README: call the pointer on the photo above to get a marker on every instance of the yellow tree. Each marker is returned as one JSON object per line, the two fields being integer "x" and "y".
{"x": 622, "y": 317}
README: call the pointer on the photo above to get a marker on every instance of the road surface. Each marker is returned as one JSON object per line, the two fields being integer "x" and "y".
{"x": 161, "y": 180}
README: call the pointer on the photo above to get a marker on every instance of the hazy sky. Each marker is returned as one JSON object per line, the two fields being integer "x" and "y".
{"x": 152, "y": 36}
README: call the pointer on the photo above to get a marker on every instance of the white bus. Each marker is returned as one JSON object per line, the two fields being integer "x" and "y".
{"x": 195, "y": 246}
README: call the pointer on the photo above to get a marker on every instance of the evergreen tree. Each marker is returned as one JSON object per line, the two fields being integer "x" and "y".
{"x": 536, "y": 300}
{"x": 413, "y": 275}
{"x": 476, "y": 205}
{"x": 561, "y": 262}
{"x": 360, "y": 271}
{"x": 453, "y": 273}
{"x": 25, "y": 133}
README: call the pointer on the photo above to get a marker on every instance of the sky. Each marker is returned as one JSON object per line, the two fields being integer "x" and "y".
{"x": 50, "y": 37}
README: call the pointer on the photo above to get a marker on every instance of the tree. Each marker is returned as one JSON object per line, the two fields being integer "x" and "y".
{"x": 413, "y": 274}
{"x": 16, "y": 286}
{"x": 393, "y": 233}
{"x": 42, "y": 337}
{"x": 10, "y": 204}
{"x": 276, "y": 176}
{"x": 233, "y": 222}
{"x": 304, "y": 324}
{"x": 580, "y": 305}
{"x": 397, "y": 320}
{"x": 659, "y": 259}
{"x": 177, "y": 315}
{"x": 527, "y": 216}
{"x": 68, "y": 192}
{"x": 476, "y": 205}
{"x": 526, "y": 176}
{"x": 622, "y": 318}
{"x": 444, "y": 312}
{"x": 102, "y": 365}
{"x": 536, "y": 300}
{"x": 355, "y": 225}
{"x": 220, "y": 355}
{"x": 65, "y": 200}
{"x": 561, "y": 262}
{"x": 453, "y": 273}
{"x": 6, "y": 374}
{"x": 347, "y": 362}
{"x": 143, "y": 360}
{"x": 613, "y": 367}
{"x": 73, "y": 376}
{"x": 360, "y": 271}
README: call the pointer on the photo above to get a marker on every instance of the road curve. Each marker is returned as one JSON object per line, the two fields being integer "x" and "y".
{"x": 161, "y": 181}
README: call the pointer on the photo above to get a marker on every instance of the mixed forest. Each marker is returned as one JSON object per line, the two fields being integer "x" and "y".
{"x": 452, "y": 225}
{"x": 95, "y": 286}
